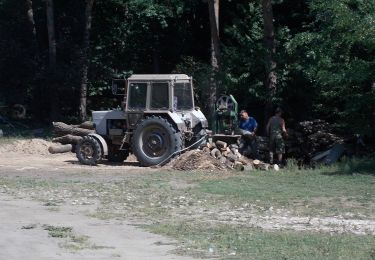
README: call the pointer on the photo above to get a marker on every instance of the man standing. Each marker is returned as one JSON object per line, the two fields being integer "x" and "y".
{"x": 276, "y": 129}
{"x": 248, "y": 126}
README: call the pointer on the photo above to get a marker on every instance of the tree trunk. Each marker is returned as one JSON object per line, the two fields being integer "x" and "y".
{"x": 269, "y": 43}
{"x": 85, "y": 62}
{"x": 213, "y": 10}
{"x": 52, "y": 86}
{"x": 51, "y": 35}
{"x": 30, "y": 17}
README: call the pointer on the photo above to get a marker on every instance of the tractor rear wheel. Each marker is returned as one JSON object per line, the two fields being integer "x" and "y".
{"x": 89, "y": 151}
{"x": 155, "y": 140}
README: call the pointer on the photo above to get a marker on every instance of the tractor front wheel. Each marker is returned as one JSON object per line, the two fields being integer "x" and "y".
{"x": 89, "y": 151}
{"x": 155, "y": 140}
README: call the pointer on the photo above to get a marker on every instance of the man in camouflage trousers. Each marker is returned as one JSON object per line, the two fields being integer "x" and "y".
{"x": 276, "y": 130}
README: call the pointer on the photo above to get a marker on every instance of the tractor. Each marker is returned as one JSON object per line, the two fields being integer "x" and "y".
{"x": 157, "y": 120}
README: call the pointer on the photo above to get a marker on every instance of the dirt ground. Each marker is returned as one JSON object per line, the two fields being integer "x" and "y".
{"x": 23, "y": 222}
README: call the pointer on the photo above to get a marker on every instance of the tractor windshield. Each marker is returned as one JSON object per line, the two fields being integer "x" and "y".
{"x": 183, "y": 96}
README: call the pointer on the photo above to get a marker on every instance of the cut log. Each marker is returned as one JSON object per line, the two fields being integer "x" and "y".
{"x": 87, "y": 125}
{"x": 256, "y": 162}
{"x": 238, "y": 166}
{"x": 67, "y": 139}
{"x": 233, "y": 146}
{"x": 223, "y": 160}
{"x": 225, "y": 153}
{"x": 221, "y": 144}
{"x": 63, "y": 148}
{"x": 245, "y": 160}
{"x": 216, "y": 153}
{"x": 248, "y": 167}
{"x": 61, "y": 129}
{"x": 232, "y": 157}
{"x": 206, "y": 150}
{"x": 229, "y": 164}
{"x": 262, "y": 166}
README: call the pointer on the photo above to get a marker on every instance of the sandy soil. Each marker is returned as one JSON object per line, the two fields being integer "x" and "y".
{"x": 23, "y": 235}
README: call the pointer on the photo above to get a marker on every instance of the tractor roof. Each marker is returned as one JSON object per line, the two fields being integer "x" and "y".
{"x": 136, "y": 77}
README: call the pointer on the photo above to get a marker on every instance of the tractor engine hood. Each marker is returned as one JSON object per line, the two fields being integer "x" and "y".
{"x": 192, "y": 118}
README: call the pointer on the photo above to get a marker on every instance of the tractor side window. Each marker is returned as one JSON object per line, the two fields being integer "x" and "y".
{"x": 159, "y": 95}
{"x": 137, "y": 96}
{"x": 183, "y": 96}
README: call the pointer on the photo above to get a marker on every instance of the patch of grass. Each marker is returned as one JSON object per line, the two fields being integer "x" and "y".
{"x": 250, "y": 243}
{"x": 71, "y": 241}
{"x": 301, "y": 191}
{"x": 60, "y": 232}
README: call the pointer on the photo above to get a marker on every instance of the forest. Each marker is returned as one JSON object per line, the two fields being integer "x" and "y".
{"x": 313, "y": 58}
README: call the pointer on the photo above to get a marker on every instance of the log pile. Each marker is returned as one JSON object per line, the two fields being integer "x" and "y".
{"x": 67, "y": 136}
{"x": 229, "y": 156}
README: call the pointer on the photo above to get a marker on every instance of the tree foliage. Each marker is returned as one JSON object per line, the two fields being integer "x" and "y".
{"x": 324, "y": 54}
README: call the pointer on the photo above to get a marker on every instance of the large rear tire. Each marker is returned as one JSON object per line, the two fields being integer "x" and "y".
{"x": 89, "y": 151}
{"x": 155, "y": 140}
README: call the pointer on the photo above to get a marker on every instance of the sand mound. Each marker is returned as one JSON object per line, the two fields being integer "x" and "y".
{"x": 31, "y": 146}
{"x": 196, "y": 160}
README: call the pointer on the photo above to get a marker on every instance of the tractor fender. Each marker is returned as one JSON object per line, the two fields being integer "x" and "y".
{"x": 102, "y": 142}
{"x": 176, "y": 119}
{"x": 198, "y": 117}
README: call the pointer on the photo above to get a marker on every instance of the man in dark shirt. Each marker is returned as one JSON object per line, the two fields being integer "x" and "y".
{"x": 277, "y": 131}
{"x": 248, "y": 126}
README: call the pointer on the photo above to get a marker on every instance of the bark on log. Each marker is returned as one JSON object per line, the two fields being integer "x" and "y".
{"x": 248, "y": 167}
{"x": 262, "y": 166}
{"x": 245, "y": 160}
{"x": 87, "y": 125}
{"x": 216, "y": 153}
{"x": 63, "y": 148}
{"x": 67, "y": 139}
{"x": 221, "y": 144}
{"x": 238, "y": 166}
{"x": 223, "y": 160}
{"x": 206, "y": 150}
{"x": 232, "y": 157}
{"x": 61, "y": 129}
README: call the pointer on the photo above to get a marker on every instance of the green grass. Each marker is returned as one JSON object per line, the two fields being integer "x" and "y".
{"x": 305, "y": 192}
{"x": 230, "y": 242}
{"x": 71, "y": 241}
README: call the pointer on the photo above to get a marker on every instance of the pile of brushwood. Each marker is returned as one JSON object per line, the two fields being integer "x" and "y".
{"x": 67, "y": 137}
{"x": 307, "y": 140}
